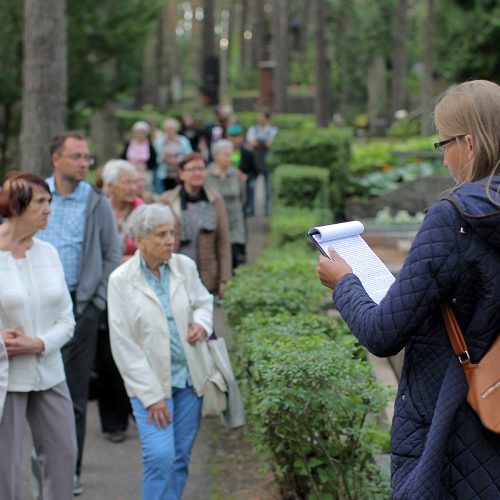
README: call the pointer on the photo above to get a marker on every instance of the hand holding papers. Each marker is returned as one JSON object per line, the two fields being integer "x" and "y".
{"x": 346, "y": 240}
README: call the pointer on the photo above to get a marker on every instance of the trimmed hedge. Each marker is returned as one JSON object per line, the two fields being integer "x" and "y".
{"x": 330, "y": 148}
{"x": 301, "y": 186}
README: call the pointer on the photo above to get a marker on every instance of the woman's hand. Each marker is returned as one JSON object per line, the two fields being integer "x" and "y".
{"x": 18, "y": 343}
{"x": 331, "y": 271}
{"x": 160, "y": 414}
{"x": 196, "y": 333}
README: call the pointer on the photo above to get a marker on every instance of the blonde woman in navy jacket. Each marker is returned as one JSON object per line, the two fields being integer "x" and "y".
{"x": 440, "y": 449}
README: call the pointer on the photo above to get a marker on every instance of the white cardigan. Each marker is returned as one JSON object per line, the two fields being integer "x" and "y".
{"x": 43, "y": 310}
{"x": 139, "y": 332}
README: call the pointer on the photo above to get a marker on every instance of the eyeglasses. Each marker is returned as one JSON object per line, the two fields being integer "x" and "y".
{"x": 191, "y": 170}
{"x": 77, "y": 157}
{"x": 440, "y": 146}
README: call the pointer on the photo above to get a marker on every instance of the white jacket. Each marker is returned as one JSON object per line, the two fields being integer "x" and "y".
{"x": 139, "y": 331}
{"x": 42, "y": 307}
{"x": 4, "y": 372}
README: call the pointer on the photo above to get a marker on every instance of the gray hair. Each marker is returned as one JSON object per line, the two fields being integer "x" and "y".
{"x": 218, "y": 146}
{"x": 146, "y": 217}
{"x": 141, "y": 125}
{"x": 114, "y": 169}
{"x": 172, "y": 122}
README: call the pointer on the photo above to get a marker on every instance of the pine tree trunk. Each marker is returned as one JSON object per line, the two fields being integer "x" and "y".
{"x": 258, "y": 33}
{"x": 280, "y": 45}
{"x": 45, "y": 86}
{"x": 398, "y": 97}
{"x": 426, "y": 127}
{"x": 322, "y": 98}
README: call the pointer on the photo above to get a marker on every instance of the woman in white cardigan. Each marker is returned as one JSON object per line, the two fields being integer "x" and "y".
{"x": 36, "y": 320}
{"x": 160, "y": 315}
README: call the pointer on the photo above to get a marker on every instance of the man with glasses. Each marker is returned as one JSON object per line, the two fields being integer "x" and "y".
{"x": 83, "y": 230}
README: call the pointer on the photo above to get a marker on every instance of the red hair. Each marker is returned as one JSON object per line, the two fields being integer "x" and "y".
{"x": 17, "y": 192}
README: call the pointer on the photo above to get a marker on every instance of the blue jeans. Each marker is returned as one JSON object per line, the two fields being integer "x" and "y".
{"x": 166, "y": 452}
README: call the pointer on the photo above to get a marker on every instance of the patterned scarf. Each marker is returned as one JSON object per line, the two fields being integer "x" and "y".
{"x": 208, "y": 217}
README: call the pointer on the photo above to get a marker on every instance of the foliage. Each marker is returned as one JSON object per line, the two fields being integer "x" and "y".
{"x": 282, "y": 280}
{"x": 106, "y": 42}
{"x": 405, "y": 128}
{"x": 290, "y": 225}
{"x": 288, "y": 121}
{"x": 310, "y": 396}
{"x": 301, "y": 186}
{"x": 329, "y": 148}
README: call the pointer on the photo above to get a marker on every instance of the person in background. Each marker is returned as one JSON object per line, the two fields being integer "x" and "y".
{"x": 243, "y": 160}
{"x": 202, "y": 227}
{"x": 191, "y": 131}
{"x": 160, "y": 315}
{"x": 36, "y": 320}
{"x": 216, "y": 129}
{"x": 223, "y": 178}
{"x": 140, "y": 152}
{"x": 260, "y": 138}
{"x": 439, "y": 447}
{"x": 83, "y": 230}
{"x": 170, "y": 149}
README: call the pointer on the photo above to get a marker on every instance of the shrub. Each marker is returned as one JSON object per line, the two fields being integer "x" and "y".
{"x": 290, "y": 225}
{"x": 282, "y": 280}
{"x": 329, "y": 148}
{"x": 310, "y": 407}
{"x": 301, "y": 186}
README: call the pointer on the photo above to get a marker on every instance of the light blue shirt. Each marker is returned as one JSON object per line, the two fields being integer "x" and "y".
{"x": 179, "y": 370}
{"x": 66, "y": 228}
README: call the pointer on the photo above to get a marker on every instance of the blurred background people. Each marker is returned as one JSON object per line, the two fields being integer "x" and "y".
{"x": 36, "y": 320}
{"x": 202, "y": 227}
{"x": 224, "y": 178}
{"x": 170, "y": 148}
{"x": 260, "y": 138}
{"x": 140, "y": 152}
{"x": 160, "y": 315}
{"x": 191, "y": 130}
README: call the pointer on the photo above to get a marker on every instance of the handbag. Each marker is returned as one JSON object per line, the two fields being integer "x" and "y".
{"x": 4, "y": 375}
{"x": 482, "y": 378}
{"x": 216, "y": 390}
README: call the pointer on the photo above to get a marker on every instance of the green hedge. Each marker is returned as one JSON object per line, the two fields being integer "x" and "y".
{"x": 290, "y": 225}
{"x": 330, "y": 148}
{"x": 301, "y": 186}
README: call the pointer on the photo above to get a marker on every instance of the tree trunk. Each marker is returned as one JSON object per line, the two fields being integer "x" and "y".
{"x": 258, "y": 33}
{"x": 322, "y": 98}
{"x": 103, "y": 133}
{"x": 280, "y": 46}
{"x": 398, "y": 97}
{"x": 304, "y": 32}
{"x": 245, "y": 45}
{"x": 45, "y": 88}
{"x": 210, "y": 62}
{"x": 174, "y": 65}
{"x": 426, "y": 127}
{"x": 377, "y": 96}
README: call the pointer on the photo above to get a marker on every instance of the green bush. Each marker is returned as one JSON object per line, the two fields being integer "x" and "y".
{"x": 310, "y": 400}
{"x": 290, "y": 225}
{"x": 330, "y": 148}
{"x": 282, "y": 280}
{"x": 301, "y": 186}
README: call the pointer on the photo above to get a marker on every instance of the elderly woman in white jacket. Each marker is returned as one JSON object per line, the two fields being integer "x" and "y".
{"x": 160, "y": 315}
{"x": 36, "y": 320}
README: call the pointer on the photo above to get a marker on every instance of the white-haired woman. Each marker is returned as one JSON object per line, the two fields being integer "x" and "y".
{"x": 120, "y": 183}
{"x": 160, "y": 315}
{"x": 170, "y": 148}
{"x": 141, "y": 153}
{"x": 224, "y": 178}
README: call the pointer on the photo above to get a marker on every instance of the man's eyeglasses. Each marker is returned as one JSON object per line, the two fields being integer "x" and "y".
{"x": 440, "y": 146}
{"x": 191, "y": 170}
{"x": 77, "y": 157}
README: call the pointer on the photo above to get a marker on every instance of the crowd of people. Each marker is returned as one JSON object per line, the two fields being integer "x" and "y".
{"x": 65, "y": 333}
{"x": 119, "y": 279}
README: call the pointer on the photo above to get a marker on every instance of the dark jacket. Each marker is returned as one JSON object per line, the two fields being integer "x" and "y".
{"x": 440, "y": 450}
{"x": 152, "y": 161}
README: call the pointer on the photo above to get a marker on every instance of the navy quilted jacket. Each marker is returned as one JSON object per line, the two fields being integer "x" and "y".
{"x": 440, "y": 450}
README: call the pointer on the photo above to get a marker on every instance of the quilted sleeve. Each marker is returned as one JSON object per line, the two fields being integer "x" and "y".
{"x": 427, "y": 277}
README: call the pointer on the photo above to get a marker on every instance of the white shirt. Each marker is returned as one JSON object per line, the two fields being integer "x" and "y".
{"x": 34, "y": 297}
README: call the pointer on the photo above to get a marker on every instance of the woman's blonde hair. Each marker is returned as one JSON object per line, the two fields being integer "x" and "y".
{"x": 474, "y": 108}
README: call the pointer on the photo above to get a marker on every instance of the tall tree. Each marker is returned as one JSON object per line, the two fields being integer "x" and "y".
{"x": 280, "y": 52}
{"x": 426, "y": 100}
{"x": 210, "y": 61}
{"x": 45, "y": 87}
{"x": 322, "y": 98}
{"x": 258, "y": 33}
{"x": 401, "y": 33}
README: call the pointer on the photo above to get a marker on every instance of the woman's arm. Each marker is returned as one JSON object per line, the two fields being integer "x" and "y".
{"x": 426, "y": 279}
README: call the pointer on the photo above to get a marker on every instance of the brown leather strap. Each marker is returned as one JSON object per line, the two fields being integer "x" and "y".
{"x": 456, "y": 338}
